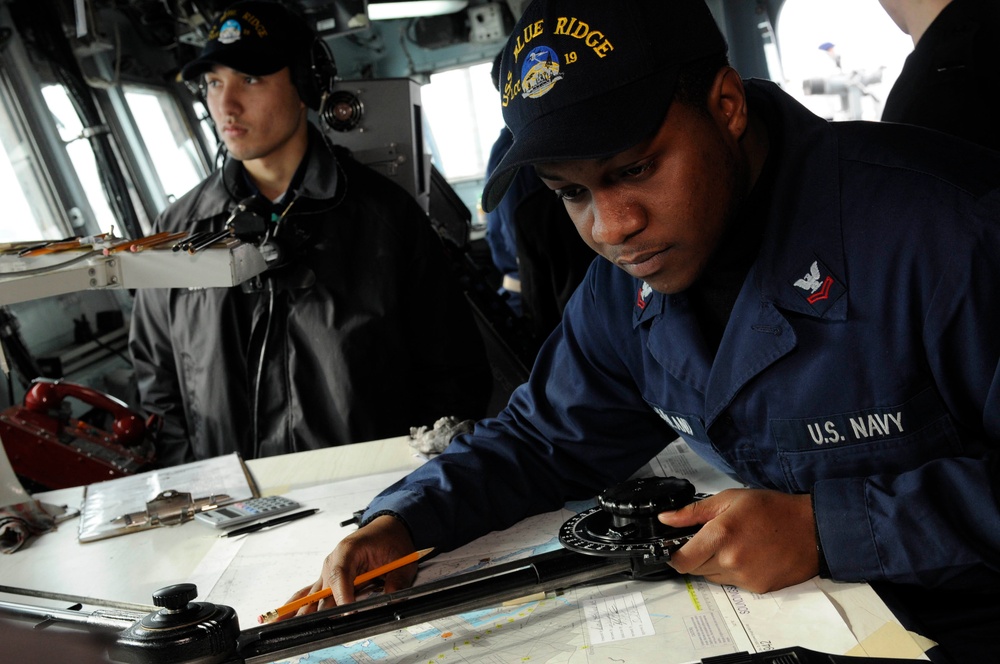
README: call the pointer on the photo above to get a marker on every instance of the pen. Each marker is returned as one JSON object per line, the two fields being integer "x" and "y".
{"x": 276, "y": 521}
{"x": 360, "y": 580}
{"x": 208, "y": 241}
{"x": 355, "y": 517}
{"x": 192, "y": 237}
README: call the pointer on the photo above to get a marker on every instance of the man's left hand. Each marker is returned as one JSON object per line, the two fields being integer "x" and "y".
{"x": 756, "y": 539}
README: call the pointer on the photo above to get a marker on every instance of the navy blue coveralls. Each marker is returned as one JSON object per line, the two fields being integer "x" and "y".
{"x": 859, "y": 364}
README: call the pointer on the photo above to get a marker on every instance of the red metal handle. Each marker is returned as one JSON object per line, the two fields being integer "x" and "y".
{"x": 128, "y": 427}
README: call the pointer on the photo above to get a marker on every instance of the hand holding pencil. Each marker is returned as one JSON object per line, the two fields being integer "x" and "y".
{"x": 359, "y": 581}
{"x": 385, "y": 538}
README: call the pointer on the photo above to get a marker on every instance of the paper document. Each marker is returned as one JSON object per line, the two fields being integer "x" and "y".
{"x": 670, "y": 621}
{"x": 257, "y": 574}
{"x": 105, "y": 501}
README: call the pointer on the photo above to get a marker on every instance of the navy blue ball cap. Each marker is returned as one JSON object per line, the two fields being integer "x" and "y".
{"x": 587, "y": 79}
{"x": 253, "y": 37}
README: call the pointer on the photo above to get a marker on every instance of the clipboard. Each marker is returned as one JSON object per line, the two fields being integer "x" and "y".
{"x": 108, "y": 505}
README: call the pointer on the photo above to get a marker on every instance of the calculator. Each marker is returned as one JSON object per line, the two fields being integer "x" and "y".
{"x": 245, "y": 511}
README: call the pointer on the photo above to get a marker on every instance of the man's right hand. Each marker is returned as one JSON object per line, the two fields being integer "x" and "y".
{"x": 380, "y": 542}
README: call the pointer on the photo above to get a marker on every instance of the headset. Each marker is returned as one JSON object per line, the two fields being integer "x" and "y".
{"x": 313, "y": 73}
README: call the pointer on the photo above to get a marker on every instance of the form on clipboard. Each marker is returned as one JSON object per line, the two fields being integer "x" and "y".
{"x": 110, "y": 507}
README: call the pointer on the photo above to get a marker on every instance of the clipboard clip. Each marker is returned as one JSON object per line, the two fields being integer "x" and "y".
{"x": 170, "y": 508}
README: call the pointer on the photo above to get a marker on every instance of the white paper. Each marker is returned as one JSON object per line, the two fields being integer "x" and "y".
{"x": 616, "y": 618}
{"x": 11, "y": 491}
{"x": 105, "y": 501}
{"x": 264, "y": 568}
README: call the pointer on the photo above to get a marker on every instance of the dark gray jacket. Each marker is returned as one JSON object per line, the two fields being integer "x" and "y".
{"x": 946, "y": 81}
{"x": 363, "y": 334}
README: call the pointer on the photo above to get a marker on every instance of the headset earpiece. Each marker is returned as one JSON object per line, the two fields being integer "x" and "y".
{"x": 314, "y": 73}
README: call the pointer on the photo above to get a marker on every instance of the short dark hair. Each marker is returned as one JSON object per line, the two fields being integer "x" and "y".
{"x": 695, "y": 79}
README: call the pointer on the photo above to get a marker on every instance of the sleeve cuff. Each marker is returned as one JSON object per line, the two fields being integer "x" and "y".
{"x": 844, "y": 531}
{"x": 824, "y": 567}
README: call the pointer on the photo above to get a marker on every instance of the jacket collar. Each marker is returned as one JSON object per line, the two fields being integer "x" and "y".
{"x": 321, "y": 172}
{"x": 800, "y": 266}
{"x": 320, "y": 183}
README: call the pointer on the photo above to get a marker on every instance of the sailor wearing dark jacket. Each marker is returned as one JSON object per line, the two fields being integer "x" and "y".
{"x": 944, "y": 83}
{"x": 359, "y": 331}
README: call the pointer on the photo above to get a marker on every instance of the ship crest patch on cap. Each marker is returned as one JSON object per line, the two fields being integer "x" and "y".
{"x": 539, "y": 72}
{"x": 541, "y": 66}
{"x": 230, "y": 31}
{"x": 595, "y": 57}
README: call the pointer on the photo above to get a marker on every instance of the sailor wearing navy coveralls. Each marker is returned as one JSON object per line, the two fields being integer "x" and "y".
{"x": 854, "y": 363}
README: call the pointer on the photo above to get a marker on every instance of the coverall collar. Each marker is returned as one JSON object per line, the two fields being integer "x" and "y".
{"x": 790, "y": 250}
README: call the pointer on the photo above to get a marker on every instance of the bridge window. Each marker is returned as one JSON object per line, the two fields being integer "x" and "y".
{"x": 80, "y": 152}
{"x": 19, "y": 171}
{"x": 171, "y": 148}
{"x": 463, "y": 109}
{"x": 840, "y": 57}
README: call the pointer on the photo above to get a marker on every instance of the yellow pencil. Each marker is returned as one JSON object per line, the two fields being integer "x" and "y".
{"x": 155, "y": 239}
{"x": 53, "y": 247}
{"x": 326, "y": 592}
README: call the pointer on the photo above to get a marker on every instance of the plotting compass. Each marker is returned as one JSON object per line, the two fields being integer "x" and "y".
{"x": 624, "y": 523}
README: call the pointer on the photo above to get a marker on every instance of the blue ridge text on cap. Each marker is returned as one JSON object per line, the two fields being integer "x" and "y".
{"x": 255, "y": 22}
{"x": 529, "y": 32}
{"x": 595, "y": 39}
{"x": 569, "y": 26}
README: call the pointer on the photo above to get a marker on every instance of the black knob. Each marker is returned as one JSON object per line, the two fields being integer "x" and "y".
{"x": 176, "y": 597}
{"x": 633, "y": 505}
{"x": 177, "y": 609}
{"x": 181, "y": 631}
{"x": 647, "y": 495}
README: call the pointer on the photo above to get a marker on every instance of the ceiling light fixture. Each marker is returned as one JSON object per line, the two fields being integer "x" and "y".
{"x": 382, "y": 11}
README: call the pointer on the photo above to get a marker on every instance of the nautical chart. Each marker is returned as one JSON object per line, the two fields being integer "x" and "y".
{"x": 673, "y": 621}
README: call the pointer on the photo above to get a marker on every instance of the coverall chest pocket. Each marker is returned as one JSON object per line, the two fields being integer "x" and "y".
{"x": 884, "y": 440}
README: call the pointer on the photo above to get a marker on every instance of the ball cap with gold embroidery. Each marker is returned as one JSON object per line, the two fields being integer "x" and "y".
{"x": 586, "y": 79}
{"x": 253, "y": 37}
